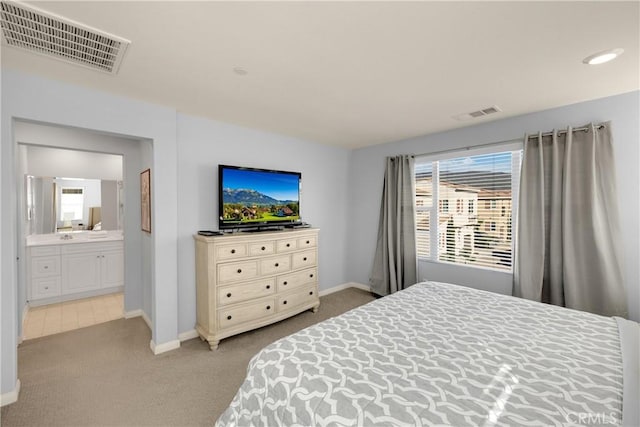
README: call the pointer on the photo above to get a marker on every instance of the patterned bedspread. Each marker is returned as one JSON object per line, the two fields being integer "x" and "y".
{"x": 438, "y": 354}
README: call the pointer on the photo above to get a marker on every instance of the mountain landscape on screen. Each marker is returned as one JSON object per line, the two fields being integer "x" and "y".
{"x": 246, "y": 205}
{"x": 250, "y": 197}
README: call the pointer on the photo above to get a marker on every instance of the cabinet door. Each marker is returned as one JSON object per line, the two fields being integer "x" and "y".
{"x": 80, "y": 272}
{"x": 112, "y": 269}
{"x": 44, "y": 287}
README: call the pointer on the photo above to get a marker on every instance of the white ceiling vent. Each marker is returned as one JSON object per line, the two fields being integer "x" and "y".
{"x": 479, "y": 113}
{"x": 38, "y": 31}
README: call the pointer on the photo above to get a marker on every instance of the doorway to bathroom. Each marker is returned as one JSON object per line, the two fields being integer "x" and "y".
{"x": 73, "y": 238}
{"x": 80, "y": 253}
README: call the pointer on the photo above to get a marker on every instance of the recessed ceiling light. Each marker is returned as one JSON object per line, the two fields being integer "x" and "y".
{"x": 240, "y": 71}
{"x": 602, "y": 57}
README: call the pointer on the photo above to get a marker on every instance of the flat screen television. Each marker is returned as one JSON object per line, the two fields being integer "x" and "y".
{"x": 257, "y": 198}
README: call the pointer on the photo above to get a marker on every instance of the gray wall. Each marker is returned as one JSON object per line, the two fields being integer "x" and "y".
{"x": 29, "y": 98}
{"x": 205, "y": 143}
{"x": 109, "y": 204}
{"x": 46, "y": 161}
{"x": 367, "y": 169}
{"x": 341, "y": 190}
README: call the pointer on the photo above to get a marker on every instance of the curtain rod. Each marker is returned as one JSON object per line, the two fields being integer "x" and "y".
{"x": 506, "y": 141}
{"x": 582, "y": 129}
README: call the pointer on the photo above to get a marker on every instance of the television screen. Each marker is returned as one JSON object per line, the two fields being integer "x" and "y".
{"x": 252, "y": 197}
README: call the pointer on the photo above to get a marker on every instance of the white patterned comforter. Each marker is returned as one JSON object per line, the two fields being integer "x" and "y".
{"x": 439, "y": 354}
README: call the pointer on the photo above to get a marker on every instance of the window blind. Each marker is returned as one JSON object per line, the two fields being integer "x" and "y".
{"x": 474, "y": 196}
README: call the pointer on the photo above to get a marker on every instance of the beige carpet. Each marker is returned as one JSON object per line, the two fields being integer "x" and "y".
{"x": 106, "y": 375}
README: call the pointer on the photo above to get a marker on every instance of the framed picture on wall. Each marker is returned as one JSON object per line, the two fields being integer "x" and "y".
{"x": 145, "y": 200}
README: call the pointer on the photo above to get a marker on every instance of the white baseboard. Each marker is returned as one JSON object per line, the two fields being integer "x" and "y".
{"x": 343, "y": 287}
{"x": 10, "y": 397}
{"x": 164, "y": 347}
{"x": 156, "y": 348}
{"x": 72, "y": 297}
{"x": 138, "y": 313}
{"x": 188, "y": 335}
{"x": 133, "y": 313}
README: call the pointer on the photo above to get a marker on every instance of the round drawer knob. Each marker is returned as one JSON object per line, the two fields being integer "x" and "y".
{"x": 46, "y": 288}
{"x": 233, "y": 251}
{"x": 277, "y": 264}
{"x": 268, "y": 286}
{"x": 311, "y": 275}
{"x": 239, "y": 270}
{"x": 284, "y": 302}
{"x": 46, "y": 266}
{"x": 268, "y": 307}
{"x": 308, "y": 242}
{"x": 285, "y": 283}
{"x": 229, "y": 295}
{"x": 263, "y": 248}
{"x": 310, "y": 292}
{"x": 288, "y": 245}
{"x": 228, "y": 317}
{"x": 304, "y": 259}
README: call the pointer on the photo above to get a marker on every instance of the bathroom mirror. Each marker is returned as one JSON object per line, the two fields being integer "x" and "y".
{"x": 56, "y": 204}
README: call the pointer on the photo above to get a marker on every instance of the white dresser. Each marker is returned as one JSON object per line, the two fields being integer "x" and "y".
{"x": 248, "y": 280}
{"x": 71, "y": 270}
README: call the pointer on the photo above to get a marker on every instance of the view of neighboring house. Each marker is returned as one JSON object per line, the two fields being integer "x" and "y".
{"x": 473, "y": 217}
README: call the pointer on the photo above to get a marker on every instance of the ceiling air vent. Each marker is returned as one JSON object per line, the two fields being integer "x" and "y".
{"x": 38, "y": 31}
{"x": 479, "y": 113}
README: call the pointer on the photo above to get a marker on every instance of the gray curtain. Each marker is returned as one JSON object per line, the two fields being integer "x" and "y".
{"x": 394, "y": 264}
{"x": 568, "y": 232}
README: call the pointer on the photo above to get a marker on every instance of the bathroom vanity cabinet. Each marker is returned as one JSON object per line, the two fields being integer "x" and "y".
{"x": 72, "y": 270}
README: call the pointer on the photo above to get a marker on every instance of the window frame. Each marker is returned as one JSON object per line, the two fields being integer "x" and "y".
{"x": 516, "y": 149}
{"x": 82, "y": 193}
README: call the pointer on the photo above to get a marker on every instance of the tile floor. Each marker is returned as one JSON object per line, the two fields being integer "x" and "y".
{"x": 65, "y": 316}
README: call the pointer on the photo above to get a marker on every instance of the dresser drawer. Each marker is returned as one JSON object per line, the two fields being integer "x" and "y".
{"x": 237, "y": 315}
{"x": 237, "y": 271}
{"x": 44, "y": 287}
{"x": 45, "y": 266}
{"x": 246, "y": 291}
{"x": 293, "y": 280}
{"x": 231, "y": 251}
{"x": 303, "y": 259}
{"x": 275, "y": 265}
{"x": 306, "y": 295}
{"x": 264, "y": 248}
{"x": 307, "y": 242}
{"x": 45, "y": 250}
{"x": 287, "y": 245}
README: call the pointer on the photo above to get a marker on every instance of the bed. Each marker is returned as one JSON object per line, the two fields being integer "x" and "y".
{"x": 441, "y": 354}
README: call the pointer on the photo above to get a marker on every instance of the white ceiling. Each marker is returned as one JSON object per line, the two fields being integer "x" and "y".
{"x": 354, "y": 74}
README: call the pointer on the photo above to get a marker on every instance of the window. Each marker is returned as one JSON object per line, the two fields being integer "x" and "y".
{"x": 424, "y": 205}
{"x": 71, "y": 203}
{"x": 475, "y": 237}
